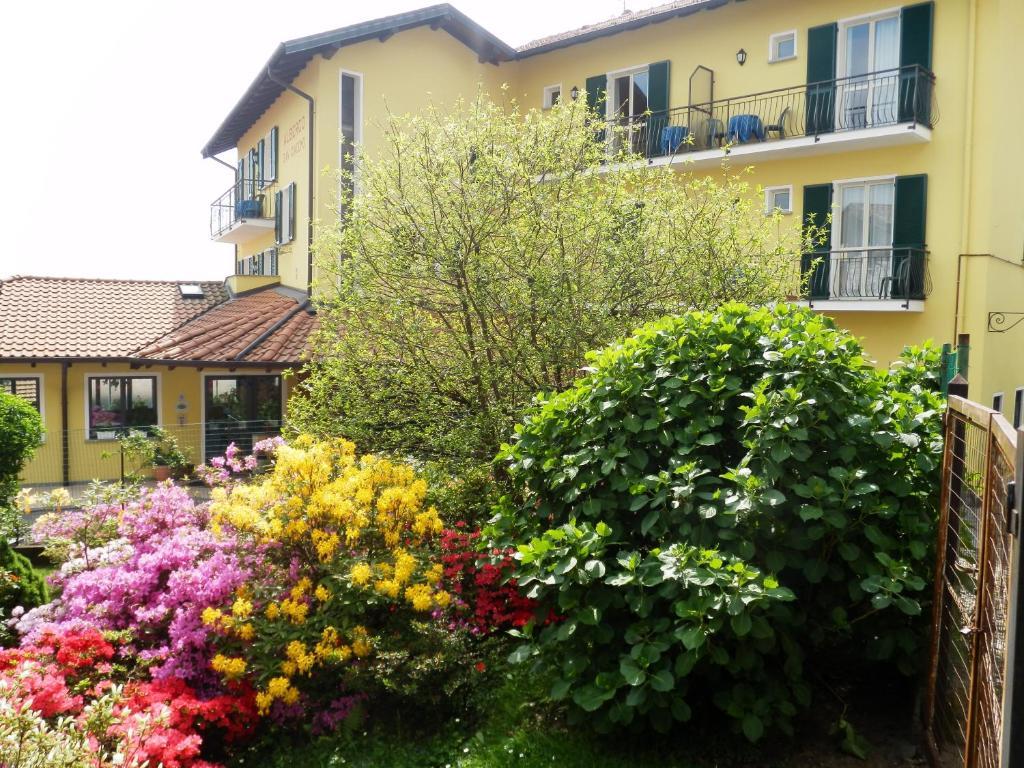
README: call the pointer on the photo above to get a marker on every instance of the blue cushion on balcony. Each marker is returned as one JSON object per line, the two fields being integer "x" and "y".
{"x": 248, "y": 209}
{"x": 672, "y": 138}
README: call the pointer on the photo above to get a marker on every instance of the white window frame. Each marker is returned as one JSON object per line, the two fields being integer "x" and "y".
{"x": 357, "y": 126}
{"x": 609, "y": 96}
{"x": 42, "y": 392}
{"x": 549, "y": 91}
{"x": 997, "y": 398}
{"x": 769, "y": 194}
{"x": 773, "y": 39}
{"x": 120, "y": 375}
{"x": 1018, "y": 407}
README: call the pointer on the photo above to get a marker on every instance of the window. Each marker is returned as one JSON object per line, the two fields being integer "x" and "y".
{"x": 268, "y": 160}
{"x": 117, "y": 403}
{"x": 868, "y": 46}
{"x": 551, "y": 95}
{"x": 782, "y": 46}
{"x": 26, "y": 387}
{"x": 1018, "y": 405}
{"x": 240, "y": 410}
{"x": 862, "y": 238}
{"x": 778, "y": 199}
{"x": 627, "y": 103}
{"x": 997, "y": 402}
{"x": 260, "y": 264}
{"x": 350, "y": 123}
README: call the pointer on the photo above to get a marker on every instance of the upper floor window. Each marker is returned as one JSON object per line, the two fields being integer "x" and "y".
{"x": 782, "y": 46}
{"x": 284, "y": 215}
{"x": 350, "y": 117}
{"x": 552, "y": 94}
{"x": 866, "y": 46}
{"x": 26, "y": 387}
{"x": 117, "y": 403}
{"x": 778, "y": 199}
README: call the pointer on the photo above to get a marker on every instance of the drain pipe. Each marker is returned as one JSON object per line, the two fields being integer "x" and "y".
{"x": 312, "y": 115}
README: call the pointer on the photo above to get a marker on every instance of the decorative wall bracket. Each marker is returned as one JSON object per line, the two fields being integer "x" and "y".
{"x": 1001, "y": 322}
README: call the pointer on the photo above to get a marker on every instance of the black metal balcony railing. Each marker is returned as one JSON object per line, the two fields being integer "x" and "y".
{"x": 246, "y": 199}
{"x": 879, "y": 273}
{"x": 874, "y": 100}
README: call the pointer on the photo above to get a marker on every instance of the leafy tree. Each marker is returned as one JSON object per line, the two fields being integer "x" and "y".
{"x": 723, "y": 498}
{"x": 21, "y": 430}
{"x": 487, "y": 249}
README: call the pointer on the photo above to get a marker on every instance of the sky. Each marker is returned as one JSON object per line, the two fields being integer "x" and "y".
{"x": 108, "y": 103}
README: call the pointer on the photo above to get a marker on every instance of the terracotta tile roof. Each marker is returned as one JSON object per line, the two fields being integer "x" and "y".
{"x": 625, "y": 20}
{"x": 53, "y": 317}
{"x": 234, "y": 331}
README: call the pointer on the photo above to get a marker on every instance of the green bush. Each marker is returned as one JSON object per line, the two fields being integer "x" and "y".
{"x": 20, "y": 584}
{"x": 723, "y": 498}
{"x": 21, "y": 430}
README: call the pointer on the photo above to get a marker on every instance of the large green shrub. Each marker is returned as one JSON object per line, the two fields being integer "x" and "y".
{"x": 20, "y": 584}
{"x": 21, "y": 430}
{"x": 723, "y": 498}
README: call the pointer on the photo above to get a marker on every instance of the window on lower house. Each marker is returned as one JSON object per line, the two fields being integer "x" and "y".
{"x": 118, "y": 403}
{"x": 26, "y": 387}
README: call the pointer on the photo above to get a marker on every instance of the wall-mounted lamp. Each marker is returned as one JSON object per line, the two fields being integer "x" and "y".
{"x": 181, "y": 407}
{"x": 741, "y": 57}
{"x": 575, "y": 92}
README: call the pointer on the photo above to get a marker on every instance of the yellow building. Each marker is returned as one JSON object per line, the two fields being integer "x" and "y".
{"x": 898, "y": 120}
{"x": 103, "y": 358}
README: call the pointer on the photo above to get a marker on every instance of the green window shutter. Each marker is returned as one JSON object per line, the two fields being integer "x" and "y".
{"x": 597, "y": 87}
{"x": 657, "y": 103}
{"x": 272, "y": 152}
{"x": 278, "y": 230}
{"x": 597, "y": 91}
{"x": 817, "y": 209}
{"x": 916, "y": 63}
{"x": 821, "y": 75}
{"x": 261, "y": 158}
{"x": 908, "y": 236}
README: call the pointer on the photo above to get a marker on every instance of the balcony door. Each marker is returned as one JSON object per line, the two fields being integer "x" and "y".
{"x": 862, "y": 261}
{"x": 627, "y": 104}
{"x": 240, "y": 410}
{"x": 869, "y": 59}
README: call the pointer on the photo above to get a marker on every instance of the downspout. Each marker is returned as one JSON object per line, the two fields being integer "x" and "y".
{"x": 312, "y": 116}
{"x": 65, "y": 458}
{"x": 968, "y": 162}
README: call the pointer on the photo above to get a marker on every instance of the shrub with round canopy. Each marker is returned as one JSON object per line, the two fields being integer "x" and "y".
{"x": 722, "y": 498}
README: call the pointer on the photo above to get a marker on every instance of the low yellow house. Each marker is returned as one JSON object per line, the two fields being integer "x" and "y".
{"x": 102, "y": 358}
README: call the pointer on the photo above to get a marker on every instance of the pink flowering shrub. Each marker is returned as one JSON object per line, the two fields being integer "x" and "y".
{"x": 155, "y": 581}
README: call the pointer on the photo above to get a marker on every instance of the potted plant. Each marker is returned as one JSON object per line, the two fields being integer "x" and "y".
{"x": 168, "y": 458}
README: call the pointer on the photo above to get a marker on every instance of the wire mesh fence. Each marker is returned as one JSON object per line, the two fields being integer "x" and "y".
{"x": 964, "y": 707}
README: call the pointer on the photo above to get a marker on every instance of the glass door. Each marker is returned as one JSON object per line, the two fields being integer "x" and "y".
{"x": 870, "y": 59}
{"x": 629, "y": 94}
{"x": 863, "y": 262}
{"x": 240, "y": 410}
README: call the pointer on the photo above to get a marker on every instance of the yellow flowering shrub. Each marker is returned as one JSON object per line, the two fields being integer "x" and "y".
{"x": 349, "y": 543}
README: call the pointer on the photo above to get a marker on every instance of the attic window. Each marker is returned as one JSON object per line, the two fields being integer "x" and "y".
{"x": 191, "y": 290}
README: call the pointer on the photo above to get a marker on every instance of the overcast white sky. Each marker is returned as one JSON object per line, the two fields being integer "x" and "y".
{"x": 107, "y": 104}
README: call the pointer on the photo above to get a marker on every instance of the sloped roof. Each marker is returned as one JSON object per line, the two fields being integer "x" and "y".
{"x": 625, "y": 21}
{"x": 149, "y": 321}
{"x": 57, "y": 317}
{"x": 263, "y": 326}
{"x": 291, "y": 57}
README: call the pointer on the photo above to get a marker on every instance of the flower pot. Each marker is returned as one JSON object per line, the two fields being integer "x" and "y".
{"x": 161, "y": 473}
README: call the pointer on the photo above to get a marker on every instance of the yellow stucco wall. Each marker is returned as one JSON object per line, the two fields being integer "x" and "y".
{"x": 972, "y": 160}
{"x": 100, "y": 459}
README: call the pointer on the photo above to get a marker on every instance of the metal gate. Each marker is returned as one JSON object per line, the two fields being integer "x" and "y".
{"x": 964, "y": 708}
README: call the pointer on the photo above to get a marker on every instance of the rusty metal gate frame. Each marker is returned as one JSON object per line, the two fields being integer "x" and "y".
{"x": 976, "y": 559}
